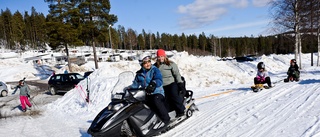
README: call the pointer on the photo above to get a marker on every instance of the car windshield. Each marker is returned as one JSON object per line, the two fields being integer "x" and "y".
{"x": 124, "y": 79}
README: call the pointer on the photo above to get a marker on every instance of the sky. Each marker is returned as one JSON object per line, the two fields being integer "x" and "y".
{"x": 227, "y": 105}
{"x": 222, "y": 18}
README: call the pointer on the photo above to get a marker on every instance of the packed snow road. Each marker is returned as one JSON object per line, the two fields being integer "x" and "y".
{"x": 10, "y": 105}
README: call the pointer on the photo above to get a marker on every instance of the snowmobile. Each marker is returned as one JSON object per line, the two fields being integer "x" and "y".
{"x": 128, "y": 115}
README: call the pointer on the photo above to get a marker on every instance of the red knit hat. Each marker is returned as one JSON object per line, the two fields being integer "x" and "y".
{"x": 161, "y": 52}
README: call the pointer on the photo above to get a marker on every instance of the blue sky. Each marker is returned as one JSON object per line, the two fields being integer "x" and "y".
{"x": 222, "y": 18}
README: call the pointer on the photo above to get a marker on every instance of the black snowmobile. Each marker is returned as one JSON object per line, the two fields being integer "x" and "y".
{"x": 128, "y": 115}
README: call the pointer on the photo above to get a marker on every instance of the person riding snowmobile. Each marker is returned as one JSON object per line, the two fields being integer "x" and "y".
{"x": 262, "y": 76}
{"x": 150, "y": 78}
{"x": 172, "y": 83}
{"x": 293, "y": 71}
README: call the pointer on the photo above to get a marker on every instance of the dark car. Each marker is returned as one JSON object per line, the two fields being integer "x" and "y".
{"x": 246, "y": 58}
{"x": 86, "y": 74}
{"x": 63, "y": 82}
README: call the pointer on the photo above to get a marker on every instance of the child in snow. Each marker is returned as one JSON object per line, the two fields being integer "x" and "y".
{"x": 293, "y": 71}
{"x": 24, "y": 94}
{"x": 262, "y": 75}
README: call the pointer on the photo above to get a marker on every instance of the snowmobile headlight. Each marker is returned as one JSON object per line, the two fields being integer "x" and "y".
{"x": 116, "y": 107}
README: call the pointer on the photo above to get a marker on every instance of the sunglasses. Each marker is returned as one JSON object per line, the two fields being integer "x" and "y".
{"x": 145, "y": 62}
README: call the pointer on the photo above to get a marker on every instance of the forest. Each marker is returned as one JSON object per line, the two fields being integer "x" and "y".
{"x": 76, "y": 23}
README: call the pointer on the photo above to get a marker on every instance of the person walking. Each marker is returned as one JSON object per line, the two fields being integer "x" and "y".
{"x": 24, "y": 94}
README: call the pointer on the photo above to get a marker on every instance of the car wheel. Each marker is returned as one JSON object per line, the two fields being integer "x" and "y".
{"x": 4, "y": 93}
{"x": 52, "y": 91}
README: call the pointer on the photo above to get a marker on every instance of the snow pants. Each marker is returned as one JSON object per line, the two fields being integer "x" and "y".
{"x": 294, "y": 74}
{"x": 173, "y": 99}
{"x": 267, "y": 80}
{"x": 156, "y": 102}
{"x": 24, "y": 100}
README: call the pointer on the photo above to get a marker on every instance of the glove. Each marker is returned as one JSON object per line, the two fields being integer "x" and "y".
{"x": 182, "y": 89}
{"x": 28, "y": 95}
{"x": 151, "y": 87}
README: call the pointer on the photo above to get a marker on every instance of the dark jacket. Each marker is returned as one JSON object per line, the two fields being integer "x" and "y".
{"x": 293, "y": 69}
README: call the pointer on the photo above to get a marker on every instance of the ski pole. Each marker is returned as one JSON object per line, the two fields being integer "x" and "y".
{"x": 31, "y": 100}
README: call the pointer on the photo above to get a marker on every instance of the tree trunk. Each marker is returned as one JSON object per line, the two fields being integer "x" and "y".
{"x": 318, "y": 34}
{"x": 318, "y": 61}
{"x": 297, "y": 33}
{"x": 68, "y": 57}
{"x": 95, "y": 54}
{"x": 300, "y": 52}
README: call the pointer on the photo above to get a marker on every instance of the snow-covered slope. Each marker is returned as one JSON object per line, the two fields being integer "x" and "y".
{"x": 222, "y": 91}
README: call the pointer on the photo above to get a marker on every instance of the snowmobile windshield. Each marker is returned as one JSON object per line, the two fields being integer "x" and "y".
{"x": 124, "y": 79}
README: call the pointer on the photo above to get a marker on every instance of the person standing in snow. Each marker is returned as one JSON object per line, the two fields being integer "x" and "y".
{"x": 150, "y": 78}
{"x": 24, "y": 94}
{"x": 172, "y": 82}
{"x": 262, "y": 76}
{"x": 293, "y": 71}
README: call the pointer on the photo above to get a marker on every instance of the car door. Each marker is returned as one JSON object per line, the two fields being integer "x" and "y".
{"x": 57, "y": 82}
{"x": 68, "y": 83}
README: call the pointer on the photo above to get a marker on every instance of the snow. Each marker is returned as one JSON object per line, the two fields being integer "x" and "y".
{"x": 222, "y": 91}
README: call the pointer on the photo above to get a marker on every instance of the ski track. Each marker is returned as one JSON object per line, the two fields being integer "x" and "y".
{"x": 280, "y": 112}
{"x": 222, "y": 110}
{"x": 245, "y": 110}
{"x": 255, "y": 112}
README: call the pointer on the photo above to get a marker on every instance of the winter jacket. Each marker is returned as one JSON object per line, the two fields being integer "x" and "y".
{"x": 170, "y": 73}
{"x": 144, "y": 77}
{"x": 262, "y": 75}
{"x": 24, "y": 90}
{"x": 293, "y": 69}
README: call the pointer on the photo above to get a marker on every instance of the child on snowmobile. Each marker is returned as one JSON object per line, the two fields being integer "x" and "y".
{"x": 262, "y": 75}
{"x": 172, "y": 82}
{"x": 24, "y": 94}
{"x": 150, "y": 78}
{"x": 293, "y": 71}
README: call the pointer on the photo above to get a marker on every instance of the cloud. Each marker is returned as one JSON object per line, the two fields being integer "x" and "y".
{"x": 203, "y": 12}
{"x": 244, "y": 25}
